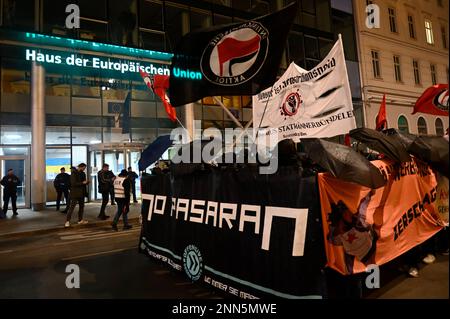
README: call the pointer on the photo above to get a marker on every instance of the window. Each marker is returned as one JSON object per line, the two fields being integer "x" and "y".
{"x": 429, "y": 31}
{"x": 412, "y": 31}
{"x": 151, "y": 15}
{"x": 174, "y": 26}
{"x": 295, "y": 48}
{"x": 439, "y": 127}
{"x": 376, "y": 64}
{"x": 433, "y": 74}
{"x": 422, "y": 126}
{"x": 397, "y": 71}
{"x": 444, "y": 37}
{"x": 15, "y": 16}
{"x": 392, "y": 20}
{"x": 416, "y": 71}
{"x": 403, "y": 124}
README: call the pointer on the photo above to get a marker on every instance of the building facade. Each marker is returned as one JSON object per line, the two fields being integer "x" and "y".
{"x": 401, "y": 57}
{"x": 61, "y": 90}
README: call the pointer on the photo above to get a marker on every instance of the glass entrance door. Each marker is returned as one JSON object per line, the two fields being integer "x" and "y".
{"x": 18, "y": 165}
{"x": 118, "y": 158}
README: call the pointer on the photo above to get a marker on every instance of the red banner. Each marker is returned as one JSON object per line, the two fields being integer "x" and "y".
{"x": 363, "y": 226}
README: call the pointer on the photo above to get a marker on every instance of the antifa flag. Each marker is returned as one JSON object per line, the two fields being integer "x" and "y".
{"x": 233, "y": 59}
{"x": 433, "y": 101}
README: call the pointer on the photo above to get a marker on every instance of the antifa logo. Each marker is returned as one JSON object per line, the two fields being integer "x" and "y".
{"x": 235, "y": 51}
{"x": 291, "y": 104}
{"x": 441, "y": 100}
{"x": 235, "y": 56}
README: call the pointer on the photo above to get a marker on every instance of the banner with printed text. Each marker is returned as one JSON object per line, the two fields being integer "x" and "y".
{"x": 314, "y": 103}
{"x": 363, "y": 226}
{"x": 250, "y": 244}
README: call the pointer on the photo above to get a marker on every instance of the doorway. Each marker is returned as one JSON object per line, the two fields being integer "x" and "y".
{"x": 118, "y": 157}
{"x": 20, "y": 168}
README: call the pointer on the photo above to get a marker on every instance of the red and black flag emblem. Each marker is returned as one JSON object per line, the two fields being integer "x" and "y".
{"x": 234, "y": 59}
{"x": 433, "y": 100}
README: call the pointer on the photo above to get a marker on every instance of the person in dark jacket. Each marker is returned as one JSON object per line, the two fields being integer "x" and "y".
{"x": 122, "y": 188}
{"x": 62, "y": 186}
{"x": 78, "y": 184}
{"x": 105, "y": 184}
{"x": 10, "y": 183}
{"x": 133, "y": 176}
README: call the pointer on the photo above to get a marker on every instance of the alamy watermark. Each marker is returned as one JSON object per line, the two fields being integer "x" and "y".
{"x": 73, "y": 279}
{"x": 373, "y": 277}
{"x": 73, "y": 19}
{"x": 231, "y": 146}
{"x": 373, "y": 16}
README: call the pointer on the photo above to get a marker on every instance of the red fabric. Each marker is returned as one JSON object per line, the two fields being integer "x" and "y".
{"x": 347, "y": 140}
{"x": 431, "y": 101}
{"x": 381, "y": 121}
{"x": 231, "y": 48}
{"x": 159, "y": 87}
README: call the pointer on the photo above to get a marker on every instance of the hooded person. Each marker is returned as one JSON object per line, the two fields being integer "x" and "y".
{"x": 122, "y": 190}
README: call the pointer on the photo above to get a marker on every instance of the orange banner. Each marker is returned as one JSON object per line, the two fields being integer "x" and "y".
{"x": 364, "y": 226}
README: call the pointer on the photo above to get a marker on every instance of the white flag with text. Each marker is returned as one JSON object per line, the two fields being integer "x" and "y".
{"x": 302, "y": 103}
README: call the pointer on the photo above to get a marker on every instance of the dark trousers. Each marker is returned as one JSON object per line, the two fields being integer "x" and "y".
{"x": 73, "y": 203}
{"x": 105, "y": 199}
{"x": 133, "y": 190}
{"x": 111, "y": 192}
{"x": 122, "y": 208}
{"x": 6, "y": 197}
{"x": 59, "y": 194}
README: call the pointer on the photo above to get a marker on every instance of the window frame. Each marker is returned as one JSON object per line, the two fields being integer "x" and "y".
{"x": 392, "y": 20}
{"x": 411, "y": 27}
{"x": 441, "y": 127}
{"x": 429, "y": 37}
{"x": 416, "y": 71}
{"x": 397, "y": 69}
{"x": 422, "y": 126}
{"x": 444, "y": 36}
{"x": 433, "y": 72}
{"x": 401, "y": 127}
{"x": 376, "y": 67}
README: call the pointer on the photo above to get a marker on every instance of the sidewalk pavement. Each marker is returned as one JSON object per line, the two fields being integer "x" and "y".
{"x": 29, "y": 222}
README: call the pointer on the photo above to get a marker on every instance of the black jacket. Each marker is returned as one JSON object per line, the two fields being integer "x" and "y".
{"x": 10, "y": 184}
{"x": 105, "y": 181}
{"x": 62, "y": 181}
{"x": 132, "y": 176}
{"x": 77, "y": 188}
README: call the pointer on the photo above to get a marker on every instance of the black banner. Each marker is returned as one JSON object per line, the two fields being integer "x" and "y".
{"x": 247, "y": 234}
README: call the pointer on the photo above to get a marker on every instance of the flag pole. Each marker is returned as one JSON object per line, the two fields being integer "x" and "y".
{"x": 235, "y": 120}
{"x": 262, "y": 117}
{"x": 244, "y": 129}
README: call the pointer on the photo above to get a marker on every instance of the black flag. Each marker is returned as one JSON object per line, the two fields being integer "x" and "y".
{"x": 234, "y": 59}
